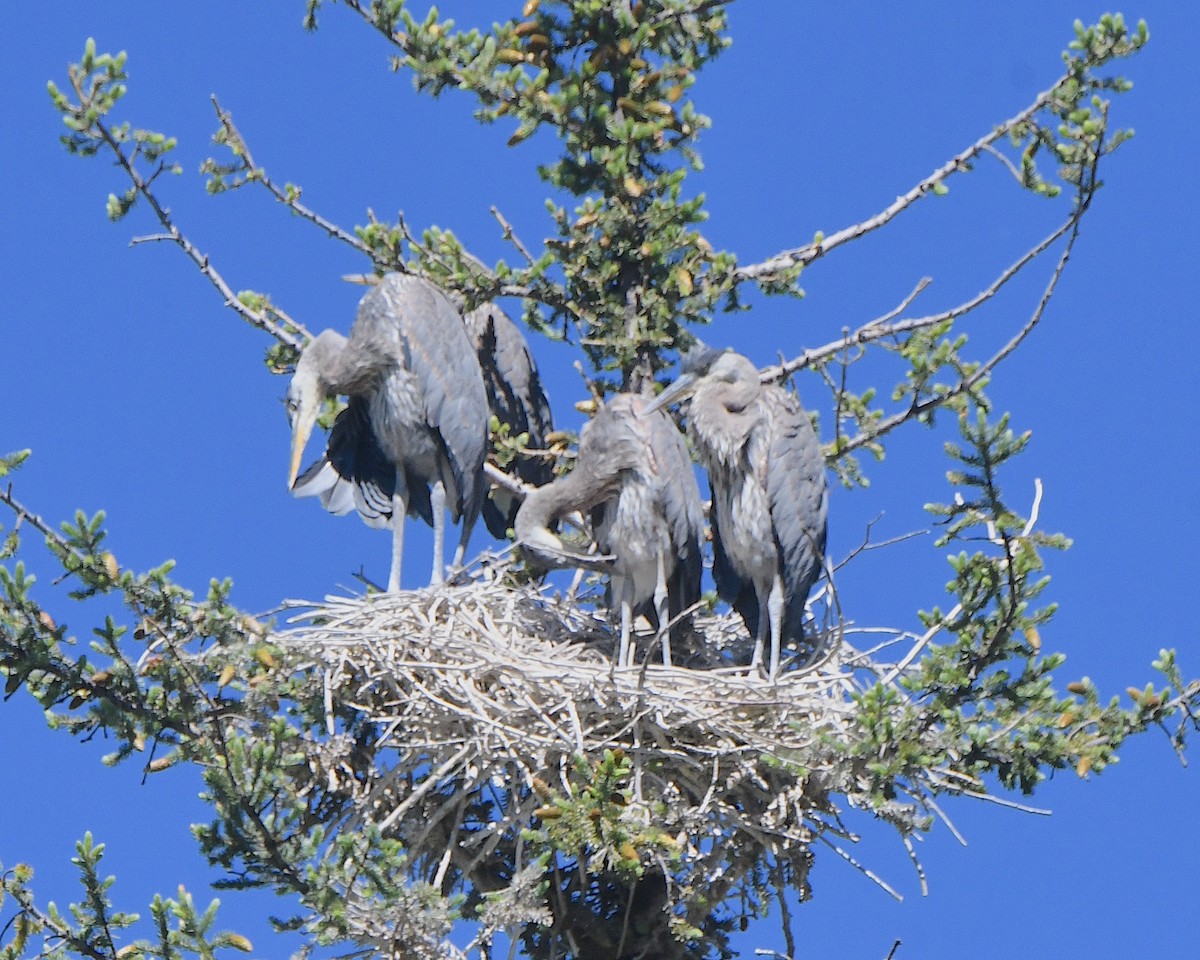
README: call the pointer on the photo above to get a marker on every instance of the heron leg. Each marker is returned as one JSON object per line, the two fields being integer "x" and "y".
{"x": 437, "y": 502}
{"x": 461, "y": 550}
{"x": 618, "y": 598}
{"x": 625, "y": 652}
{"x": 399, "y": 512}
{"x": 775, "y": 610}
{"x": 661, "y": 609}
{"x": 760, "y": 638}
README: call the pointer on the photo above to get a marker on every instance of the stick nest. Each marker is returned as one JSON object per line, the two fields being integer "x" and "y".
{"x": 495, "y": 691}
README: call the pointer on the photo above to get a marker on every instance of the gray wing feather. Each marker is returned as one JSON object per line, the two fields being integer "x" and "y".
{"x": 437, "y": 350}
{"x": 680, "y": 497}
{"x": 319, "y": 479}
{"x": 514, "y": 387}
{"x": 354, "y": 473}
{"x": 799, "y": 497}
{"x": 516, "y": 397}
{"x": 734, "y": 589}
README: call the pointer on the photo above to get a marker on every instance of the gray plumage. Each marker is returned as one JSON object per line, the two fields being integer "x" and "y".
{"x": 634, "y": 474}
{"x": 769, "y": 493}
{"x": 413, "y": 437}
{"x": 515, "y": 397}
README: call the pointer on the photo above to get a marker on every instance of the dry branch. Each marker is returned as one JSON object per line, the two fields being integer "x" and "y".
{"x": 802, "y": 256}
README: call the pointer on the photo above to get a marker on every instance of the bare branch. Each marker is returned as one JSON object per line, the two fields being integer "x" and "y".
{"x": 24, "y": 515}
{"x": 1005, "y": 802}
{"x": 903, "y": 304}
{"x": 258, "y": 318}
{"x": 510, "y": 234}
{"x": 869, "y": 544}
{"x": 802, "y": 256}
{"x": 1008, "y": 164}
{"x": 289, "y": 198}
{"x": 884, "y": 327}
{"x": 865, "y": 871}
{"x": 967, "y": 383}
{"x": 921, "y": 644}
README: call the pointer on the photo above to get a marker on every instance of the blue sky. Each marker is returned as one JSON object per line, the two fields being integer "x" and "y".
{"x": 141, "y": 395}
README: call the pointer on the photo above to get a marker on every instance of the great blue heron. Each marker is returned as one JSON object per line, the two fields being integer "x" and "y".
{"x": 633, "y": 471}
{"x": 413, "y": 438}
{"x": 769, "y": 494}
{"x": 516, "y": 398}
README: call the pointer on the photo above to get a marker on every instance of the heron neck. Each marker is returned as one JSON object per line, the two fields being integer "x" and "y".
{"x": 345, "y": 370}
{"x": 721, "y": 425}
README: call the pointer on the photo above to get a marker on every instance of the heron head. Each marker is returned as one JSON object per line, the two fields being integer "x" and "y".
{"x": 539, "y": 544}
{"x": 700, "y": 358}
{"x": 728, "y": 367}
{"x": 305, "y": 394}
{"x": 696, "y": 366}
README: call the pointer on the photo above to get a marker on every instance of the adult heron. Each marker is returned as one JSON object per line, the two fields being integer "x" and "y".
{"x": 413, "y": 437}
{"x": 769, "y": 493}
{"x": 516, "y": 398}
{"x": 634, "y": 474}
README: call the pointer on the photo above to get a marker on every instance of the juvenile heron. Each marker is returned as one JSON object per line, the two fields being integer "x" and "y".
{"x": 413, "y": 438}
{"x": 515, "y": 397}
{"x": 769, "y": 495}
{"x": 634, "y": 473}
